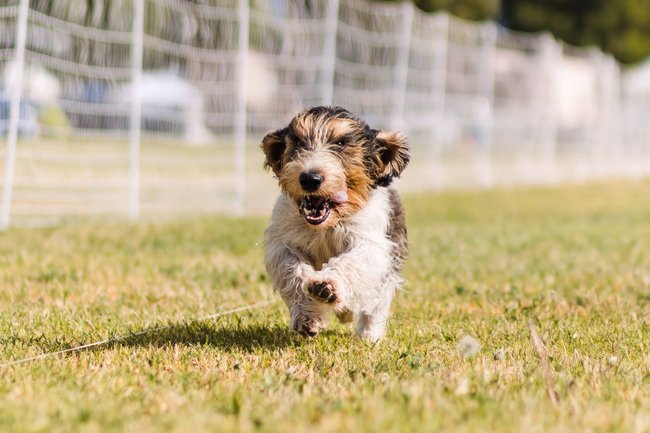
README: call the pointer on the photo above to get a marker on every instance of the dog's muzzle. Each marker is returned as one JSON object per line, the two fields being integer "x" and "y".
{"x": 316, "y": 209}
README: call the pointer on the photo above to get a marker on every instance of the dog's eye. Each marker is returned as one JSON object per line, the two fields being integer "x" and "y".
{"x": 341, "y": 142}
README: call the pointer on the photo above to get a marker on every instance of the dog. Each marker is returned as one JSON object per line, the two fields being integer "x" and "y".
{"x": 337, "y": 238}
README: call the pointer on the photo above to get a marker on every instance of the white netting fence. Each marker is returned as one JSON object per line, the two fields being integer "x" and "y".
{"x": 155, "y": 107}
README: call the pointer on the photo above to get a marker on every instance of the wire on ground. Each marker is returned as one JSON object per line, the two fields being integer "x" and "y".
{"x": 124, "y": 337}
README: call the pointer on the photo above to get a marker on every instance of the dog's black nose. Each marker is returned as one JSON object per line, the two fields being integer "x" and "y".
{"x": 310, "y": 181}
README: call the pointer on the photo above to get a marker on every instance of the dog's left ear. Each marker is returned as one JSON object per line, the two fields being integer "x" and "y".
{"x": 273, "y": 145}
{"x": 393, "y": 155}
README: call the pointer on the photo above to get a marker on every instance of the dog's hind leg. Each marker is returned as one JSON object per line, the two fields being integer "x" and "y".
{"x": 345, "y": 316}
{"x": 372, "y": 324}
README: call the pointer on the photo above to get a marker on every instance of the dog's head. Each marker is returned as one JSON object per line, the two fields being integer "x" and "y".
{"x": 328, "y": 162}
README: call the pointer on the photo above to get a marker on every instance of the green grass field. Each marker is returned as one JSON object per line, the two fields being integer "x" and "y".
{"x": 572, "y": 261}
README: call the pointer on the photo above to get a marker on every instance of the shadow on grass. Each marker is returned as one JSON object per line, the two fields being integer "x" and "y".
{"x": 247, "y": 338}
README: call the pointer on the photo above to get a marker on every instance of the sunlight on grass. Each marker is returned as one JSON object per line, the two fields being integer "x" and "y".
{"x": 573, "y": 260}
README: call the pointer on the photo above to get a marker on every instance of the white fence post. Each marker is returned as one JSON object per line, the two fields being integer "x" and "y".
{"x": 440, "y": 77}
{"x": 136, "y": 109}
{"x": 14, "y": 113}
{"x": 329, "y": 52}
{"x": 615, "y": 109}
{"x": 402, "y": 66}
{"x": 546, "y": 104}
{"x": 485, "y": 105}
{"x": 439, "y": 131}
{"x": 240, "y": 115}
{"x": 610, "y": 108}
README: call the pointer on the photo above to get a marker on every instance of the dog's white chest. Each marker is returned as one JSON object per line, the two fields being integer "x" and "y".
{"x": 326, "y": 245}
{"x": 366, "y": 227}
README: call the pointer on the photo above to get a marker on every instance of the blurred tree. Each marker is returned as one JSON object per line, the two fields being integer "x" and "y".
{"x": 621, "y": 27}
{"x": 468, "y": 9}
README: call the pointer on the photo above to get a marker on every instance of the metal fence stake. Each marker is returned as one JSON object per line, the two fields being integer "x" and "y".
{"x": 136, "y": 110}
{"x": 14, "y": 116}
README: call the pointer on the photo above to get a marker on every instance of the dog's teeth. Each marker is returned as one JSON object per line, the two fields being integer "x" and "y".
{"x": 315, "y": 209}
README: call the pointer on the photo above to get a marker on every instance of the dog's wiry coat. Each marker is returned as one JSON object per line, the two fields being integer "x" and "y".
{"x": 337, "y": 244}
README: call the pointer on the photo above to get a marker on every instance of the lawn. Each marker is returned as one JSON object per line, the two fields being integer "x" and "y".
{"x": 571, "y": 263}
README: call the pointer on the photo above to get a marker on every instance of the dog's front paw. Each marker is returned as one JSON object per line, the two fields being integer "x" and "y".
{"x": 305, "y": 326}
{"x": 323, "y": 291}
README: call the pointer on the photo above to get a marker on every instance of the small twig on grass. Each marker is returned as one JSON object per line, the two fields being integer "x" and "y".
{"x": 135, "y": 334}
{"x": 543, "y": 359}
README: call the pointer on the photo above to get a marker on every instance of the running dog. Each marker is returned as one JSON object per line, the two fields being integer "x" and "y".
{"x": 337, "y": 236}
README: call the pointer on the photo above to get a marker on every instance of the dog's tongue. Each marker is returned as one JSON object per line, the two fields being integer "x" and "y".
{"x": 339, "y": 197}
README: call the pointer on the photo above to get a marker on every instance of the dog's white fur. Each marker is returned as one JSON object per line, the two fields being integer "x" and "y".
{"x": 355, "y": 255}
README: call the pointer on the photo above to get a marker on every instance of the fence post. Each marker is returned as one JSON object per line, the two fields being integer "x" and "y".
{"x": 329, "y": 52}
{"x": 240, "y": 115}
{"x": 610, "y": 109}
{"x": 600, "y": 127}
{"x": 485, "y": 104}
{"x": 546, "y": 104}
{"x": 14, "y": 113}
{"x": 136, "y": 109}
{"x": 615, "y": 104}
{"x": 441, "y": 43}
{"x": 402, "y": 66}
{"x": 437, "y": 130}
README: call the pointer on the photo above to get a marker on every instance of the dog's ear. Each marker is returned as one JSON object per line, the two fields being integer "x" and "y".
{"x": 273, "y": 145}
{"x": 394, "y": 156}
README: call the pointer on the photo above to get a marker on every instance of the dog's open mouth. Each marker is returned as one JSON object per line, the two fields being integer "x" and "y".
{"x": 315, "y": 209}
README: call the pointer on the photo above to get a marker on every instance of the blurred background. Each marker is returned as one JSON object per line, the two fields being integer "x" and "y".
{"x": 155, "y": 108}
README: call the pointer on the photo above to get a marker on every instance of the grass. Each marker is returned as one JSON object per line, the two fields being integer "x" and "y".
{"x": 573, "y": 261}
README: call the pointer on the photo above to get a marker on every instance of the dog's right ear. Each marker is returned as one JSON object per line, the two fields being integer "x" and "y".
{"x": 273, "y": 145}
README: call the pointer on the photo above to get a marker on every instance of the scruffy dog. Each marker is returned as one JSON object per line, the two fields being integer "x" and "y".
{"x": 337, "y": 237}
